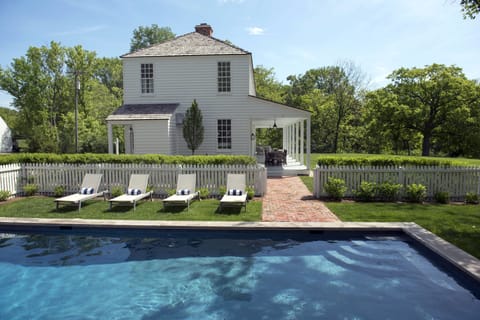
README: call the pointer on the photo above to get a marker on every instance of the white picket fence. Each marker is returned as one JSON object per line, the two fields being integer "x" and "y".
{"x": 10, "y": 178}
{"x": 162, "y": 177}
{"x": 457, "y": 181}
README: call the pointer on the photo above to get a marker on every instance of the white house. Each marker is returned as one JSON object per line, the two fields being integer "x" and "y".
{"x": 5, "y": 137}
{"x": 161, "y": 82}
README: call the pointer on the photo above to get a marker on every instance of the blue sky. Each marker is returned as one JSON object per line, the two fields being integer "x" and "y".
{"x": 379, "y": 36}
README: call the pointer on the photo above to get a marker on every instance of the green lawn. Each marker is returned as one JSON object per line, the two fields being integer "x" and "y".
{"x": 458, "y": 224}
{"x": 205, "y": 210}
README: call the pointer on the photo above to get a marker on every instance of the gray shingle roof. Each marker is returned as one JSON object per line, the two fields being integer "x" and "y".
{"x": 190, "y": 44}
{"x": 144, "y": 111}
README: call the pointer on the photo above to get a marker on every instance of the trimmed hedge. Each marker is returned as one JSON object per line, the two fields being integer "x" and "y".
{"x": 382, "y": 160}
{"x": 85, "y": 158}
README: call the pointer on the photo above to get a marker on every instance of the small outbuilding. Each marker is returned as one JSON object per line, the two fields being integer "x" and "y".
{"x": 5, "y": 137}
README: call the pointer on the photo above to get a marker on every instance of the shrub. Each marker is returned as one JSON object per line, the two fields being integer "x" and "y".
{"x": 86, "y": 158}
{"x": 30, "y": 189}
{"x": 250, "y": 192}
{"x": 4, "y": 195}
{"x": 389, "y": 191}
{"x": 222, "y": 190}
{"x": 442, "y": 197}
{"x": 381, "y": 160}
{"x": 335, "y": 188}
{"x": 366, "y": 192}
{"x": 416, "y": 192}
{"x": 203, "y": 193}
{"x": 471, "y": 198}
{"x": 170, "y": 192}
{"x": 59, "y": 191}
{"x": 117, "y": 191}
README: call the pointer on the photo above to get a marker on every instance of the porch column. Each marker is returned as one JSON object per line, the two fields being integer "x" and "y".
{"x": 309, "y": 143}
{"x": 110, "y": 138}
{"x": 296, "y": 142}
{"x": 289, "y": 142}
{"x": 302, "y": 146}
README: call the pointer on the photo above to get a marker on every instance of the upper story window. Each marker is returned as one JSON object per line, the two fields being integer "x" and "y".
{"x": 224, "y": 76}
{"x": 146, "y": 76}
{"x": 224, "y": 133}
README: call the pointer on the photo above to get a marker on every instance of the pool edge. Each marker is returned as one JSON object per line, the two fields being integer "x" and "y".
{"x": 459, "y": 258}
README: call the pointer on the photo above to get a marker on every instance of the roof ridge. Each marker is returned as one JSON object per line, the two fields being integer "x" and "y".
{"x": 138, "y": 53}
{"x": 156, "y": 44}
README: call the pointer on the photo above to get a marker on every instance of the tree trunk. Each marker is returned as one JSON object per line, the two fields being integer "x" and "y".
{"x": 426, "y": 144}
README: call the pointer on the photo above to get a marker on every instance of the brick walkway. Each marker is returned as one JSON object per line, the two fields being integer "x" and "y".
{"x": 288, "y": 199}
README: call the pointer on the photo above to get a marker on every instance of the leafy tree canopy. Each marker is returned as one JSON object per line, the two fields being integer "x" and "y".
{"x": 43, "y": 89}
{"x": 145, "y": 36}
{"x": 436, "y": 102}
{"x": 470, "y": 8}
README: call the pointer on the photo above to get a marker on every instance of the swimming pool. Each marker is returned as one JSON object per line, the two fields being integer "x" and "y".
{"x": 185, "y": 274}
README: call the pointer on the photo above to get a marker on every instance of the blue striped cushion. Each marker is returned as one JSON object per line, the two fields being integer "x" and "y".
{"x": 183, "y": 192}
{"x": 134, "y": 192}
{"x": 85, "y": 190}
{"x": 235, "y": 192}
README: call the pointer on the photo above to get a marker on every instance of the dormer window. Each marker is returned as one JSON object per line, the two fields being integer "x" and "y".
{"x": 146, "y": 76}
{"x": 224, "y": 76}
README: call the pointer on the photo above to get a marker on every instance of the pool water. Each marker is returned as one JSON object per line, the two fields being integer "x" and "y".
{"x": 218, "y": 275}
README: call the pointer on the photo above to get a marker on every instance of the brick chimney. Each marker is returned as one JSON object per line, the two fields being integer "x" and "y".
{"x": 204, "y": 29}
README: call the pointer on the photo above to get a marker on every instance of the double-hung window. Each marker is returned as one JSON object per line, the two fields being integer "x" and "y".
{"x": 224, "y": 77}
{"x": 146, "y": 76}
{"x": 224, "y": 134}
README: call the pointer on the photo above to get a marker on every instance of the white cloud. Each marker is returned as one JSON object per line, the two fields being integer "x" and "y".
{"x": 230, "y": 1}
{"x": 255, "y": 31}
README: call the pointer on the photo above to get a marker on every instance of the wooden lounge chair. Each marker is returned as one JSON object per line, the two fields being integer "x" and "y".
{"x": 137, "y": 190}
{"x": 185, "y": 191}
{"x": 235, "y": 194}
{"x": 88, "y": 190}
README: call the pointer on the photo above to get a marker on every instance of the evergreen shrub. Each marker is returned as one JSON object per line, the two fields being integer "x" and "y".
{"x": 442, "y": 197}
{"x": 471, "y": 198}
{"x": 59, "y": 191}
{"x": 389, "y": 191}
{"x": 30, "y": 189}
{"x": 416, "y": 192}
{"x": 335, "y": 188}
{"x": 366, "y": 191}
{"x": 4, "y": 195}
{"x": 87, "y": 158}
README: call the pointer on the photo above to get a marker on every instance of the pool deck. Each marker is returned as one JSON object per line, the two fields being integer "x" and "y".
{"x": 288, "y": 199}
{"x": 454, "y": 255}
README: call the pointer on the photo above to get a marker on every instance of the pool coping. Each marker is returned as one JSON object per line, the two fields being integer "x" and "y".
{"x": 459, "y": 258}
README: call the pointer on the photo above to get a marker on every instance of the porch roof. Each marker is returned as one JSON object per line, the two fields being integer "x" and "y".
{"x": 277, "y": 113}
{"x": 157, "y": 111}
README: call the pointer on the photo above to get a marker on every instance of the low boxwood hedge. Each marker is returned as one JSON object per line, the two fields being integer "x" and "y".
{"x": 382, "y": 160}
{"x": 85, "y": 158}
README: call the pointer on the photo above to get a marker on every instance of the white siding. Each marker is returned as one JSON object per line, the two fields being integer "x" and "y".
{"x": 179, "y": 79}
{"x": 183, "y": 79}
{"x": 151, "y": 136}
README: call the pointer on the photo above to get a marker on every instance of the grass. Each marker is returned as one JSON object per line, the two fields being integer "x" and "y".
{"x": 455, "y": 161}
{"x": 205, "y": 210}
{"x": 458, "y": 224}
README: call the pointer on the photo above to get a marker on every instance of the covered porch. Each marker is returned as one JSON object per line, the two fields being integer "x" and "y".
{"x": 293, "y": 158}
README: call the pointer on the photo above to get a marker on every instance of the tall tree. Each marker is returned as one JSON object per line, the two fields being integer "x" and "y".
{"x": 470, "y": 8}
{"x": 427, "y": 96}
{"x": 342, "y": 87}
{"x": 193, "y": 127}
{"x": 42, "y": 84}
{"x": 145, "y": 36}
